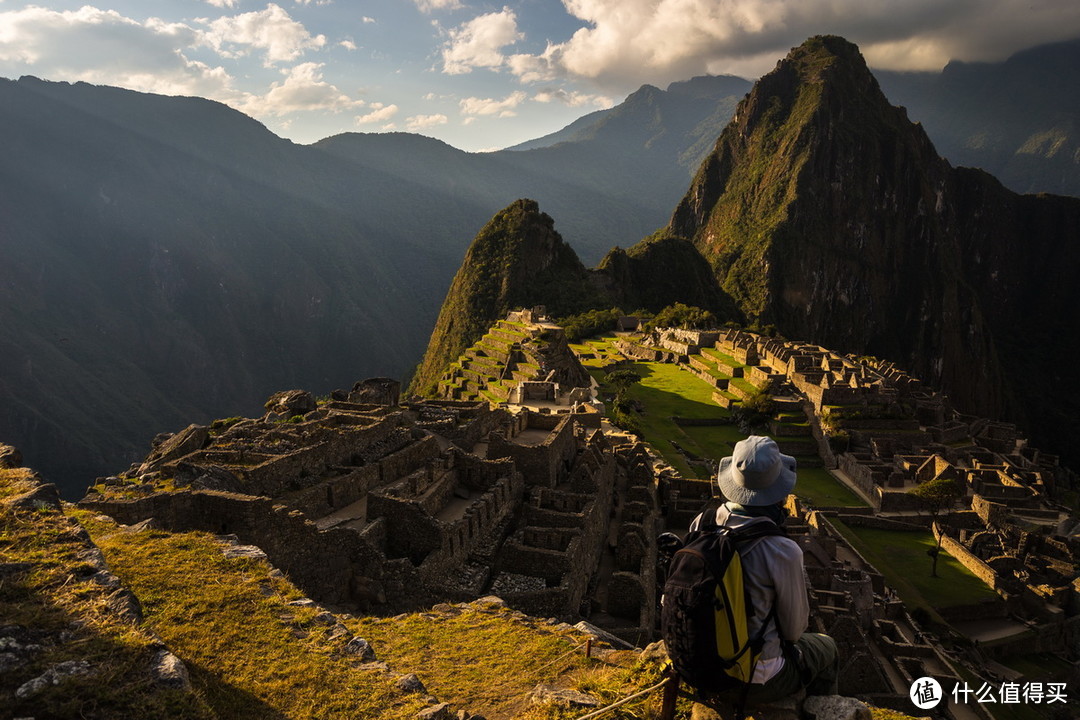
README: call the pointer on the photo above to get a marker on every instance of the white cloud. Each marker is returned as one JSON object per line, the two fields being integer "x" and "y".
{"x": 424, "y": 122}
{"x": 271, "y": 30}
{"x": 367, "y": 20}
{"x": 102, "y": 46}
{"x": 491, "y": 106}
{"x": 223, "y": 3}
{"x": 627, "y": 42}
{"x": 431, "y": 5}
{"x": 478, "y": 43}
{"x": 302, "y": 90}
{"x": 347, "y": 44}
{"x": 572, "y": 98}
{"x": 379, "y": 113}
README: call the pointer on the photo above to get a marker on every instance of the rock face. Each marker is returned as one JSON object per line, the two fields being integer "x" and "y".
{"x": 660, "y": 271}
{"x": 824, "y": 211}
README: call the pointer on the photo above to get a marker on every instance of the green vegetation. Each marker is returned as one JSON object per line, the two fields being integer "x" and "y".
{"x": 937, "y": 496}
{"x": 589, "y": 323}
{"x": 901, "y": 557}
{"x": 249, "y": 654}
{"x": 596, "y": 353}
{"x": 754, "y": 411}
{"x": 666, "y": 392}
{"x": 253, "y": 656}
{"x": 58, "y": 596}
{"x": 516, "y": 260}
{"x": 820, "y": 488}
{"x": 683, "y": 316}
{"x": 489, "y": 660}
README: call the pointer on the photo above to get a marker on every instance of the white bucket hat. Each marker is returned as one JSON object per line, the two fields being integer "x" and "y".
{"x": 757, "y": 473}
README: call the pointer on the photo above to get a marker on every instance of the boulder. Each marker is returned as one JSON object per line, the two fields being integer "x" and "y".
{"x": 656, "y": 652}
{"x": 185, "y": 442}
{"x": 360, "y": 646}
{"x": 410, "y": 683}
{"x": 376, "y": 391}
{"x": 169, "y": 671}
{"x": 43, "y": 497}
{"x": 436, "y": 712}
{"x": 291, "y": 402}
{"x": 53, "y": 676}
{"x": 835, "y": 707}
{"x": 10, "y": 457}
{"x": 563, "y": 696}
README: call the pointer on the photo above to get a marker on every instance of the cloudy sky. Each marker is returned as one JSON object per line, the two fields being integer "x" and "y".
{"x": 479, "y": 75}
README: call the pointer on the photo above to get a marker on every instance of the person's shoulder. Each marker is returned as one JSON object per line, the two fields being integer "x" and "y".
{"x": 784, "y": 546}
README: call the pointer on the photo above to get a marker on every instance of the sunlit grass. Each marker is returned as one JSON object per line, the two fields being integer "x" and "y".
{"x": 250, "y": 654}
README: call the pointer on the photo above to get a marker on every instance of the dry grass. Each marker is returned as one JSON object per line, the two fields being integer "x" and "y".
{"x": 250, "y": 654}
{"x": 52, "y": 596}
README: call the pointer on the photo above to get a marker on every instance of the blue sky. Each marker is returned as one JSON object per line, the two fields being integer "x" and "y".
{"x": 479, "y": 75}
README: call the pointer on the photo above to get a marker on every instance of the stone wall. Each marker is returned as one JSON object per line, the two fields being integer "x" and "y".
{"x": 540, "y": 464}
{"x": 965, "y": 557}
{"x": 332, "y": 566}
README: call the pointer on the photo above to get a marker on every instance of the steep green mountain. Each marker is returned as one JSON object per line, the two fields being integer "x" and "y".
{"x": 825, "y": 211}
{"x": 517, "y": 260}
{"x": 1019, "y": 120}
{"x": 659, "y": 271}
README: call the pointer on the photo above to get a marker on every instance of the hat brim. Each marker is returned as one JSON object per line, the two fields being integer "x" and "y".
{"x": 777, "y": 492}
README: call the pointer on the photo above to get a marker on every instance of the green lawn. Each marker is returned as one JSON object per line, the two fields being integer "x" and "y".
{"x": 823, "y": 490}
{"x": 901, "y": 557}
{"x": 666, "y": 391}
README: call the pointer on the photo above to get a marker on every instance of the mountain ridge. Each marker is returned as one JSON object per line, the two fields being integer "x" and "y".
{"x": 826, "y": 212}
{"x": 168, "y": 258}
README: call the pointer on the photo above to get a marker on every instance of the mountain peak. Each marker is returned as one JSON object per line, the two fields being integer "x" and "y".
{"x": 516, "y": 260}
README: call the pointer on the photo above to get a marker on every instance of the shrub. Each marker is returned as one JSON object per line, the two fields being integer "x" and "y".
{"x": 687, "y": 317}
{"x": 754, "y": 411}
{"x": 590, "y": 323}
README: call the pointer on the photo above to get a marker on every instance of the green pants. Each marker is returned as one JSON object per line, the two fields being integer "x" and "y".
{"x": 815, "y": 669}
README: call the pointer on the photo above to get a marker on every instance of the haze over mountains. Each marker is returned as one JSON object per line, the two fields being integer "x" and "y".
{"x": 168, "y": 260}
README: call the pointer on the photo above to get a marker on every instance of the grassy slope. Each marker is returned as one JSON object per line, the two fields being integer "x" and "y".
{"x": 253, "y": 656}
{"x": 250, "y": 655}
{"x": 59, "y": 600}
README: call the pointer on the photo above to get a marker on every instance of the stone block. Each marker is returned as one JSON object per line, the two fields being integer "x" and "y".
{"x": 835, "y": 707}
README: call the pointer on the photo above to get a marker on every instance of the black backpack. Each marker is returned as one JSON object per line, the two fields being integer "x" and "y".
{"x": 706, "y": 608}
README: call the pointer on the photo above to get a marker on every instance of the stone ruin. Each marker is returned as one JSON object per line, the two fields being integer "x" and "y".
{"x": 388, "y": 507}
{"x": 523, "y": 359}
{"x": 394, "y": 507}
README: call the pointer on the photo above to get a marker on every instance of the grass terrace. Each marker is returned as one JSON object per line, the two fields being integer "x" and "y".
{"x": 600, "y": 351}
{"x": 817, "y": 485}
{"x": 665, "y": 392}
{"x": 250, "y": 654}
{"x": 901, "y": 556}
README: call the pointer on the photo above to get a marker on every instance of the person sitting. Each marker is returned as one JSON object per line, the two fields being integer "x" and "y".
{"x": 755, "y": 482}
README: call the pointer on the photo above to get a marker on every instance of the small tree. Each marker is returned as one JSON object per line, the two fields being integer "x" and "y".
{"x": 755, "y": 411}
{"x": 937, "y": 496}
